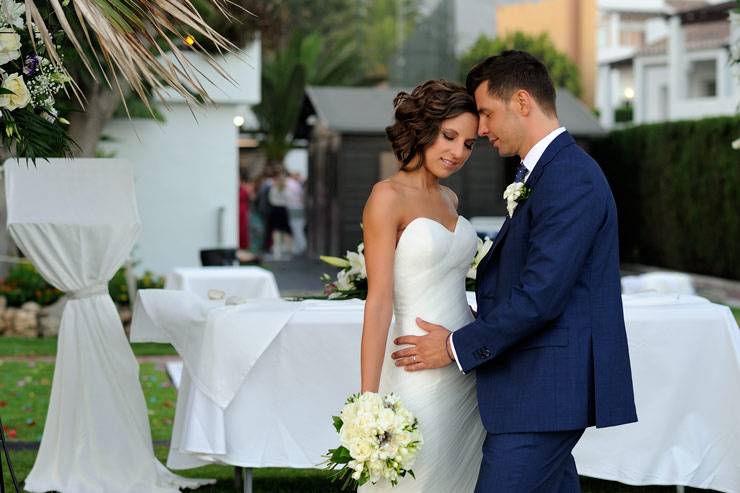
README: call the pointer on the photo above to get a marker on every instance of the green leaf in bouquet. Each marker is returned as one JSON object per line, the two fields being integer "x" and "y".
{"x": 340, "y": 455}
{"x": 337, "y": 423}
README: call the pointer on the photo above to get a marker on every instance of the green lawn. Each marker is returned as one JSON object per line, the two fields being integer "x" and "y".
{"x": 25, "y": 388}
{"x": 18, "y": 346}
{"x": 736, "y": 312}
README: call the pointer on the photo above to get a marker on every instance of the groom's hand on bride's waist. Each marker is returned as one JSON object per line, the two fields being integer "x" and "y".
{"x": 427, "y": 351}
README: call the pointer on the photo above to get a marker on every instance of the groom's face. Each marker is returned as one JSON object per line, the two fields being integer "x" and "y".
{"x": 499, "y": 123}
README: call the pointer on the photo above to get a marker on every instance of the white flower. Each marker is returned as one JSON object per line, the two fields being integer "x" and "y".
{"x": 10, "y": 45}
{"x": 15, "y": 11}
{"x": 736, "y": 144}
{"x": 513, "y": 193}
{"x": 357, "y": 262}
{"x": 381, "y": 435}
{"x": 20, "y": 97}
{"x": 482, "y": 251}
{"x": 344, "y": 281}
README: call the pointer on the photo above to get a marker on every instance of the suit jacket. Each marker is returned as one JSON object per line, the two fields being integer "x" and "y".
{"x": 549, "y": 345}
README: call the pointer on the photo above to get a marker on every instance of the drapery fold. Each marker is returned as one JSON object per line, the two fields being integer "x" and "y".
{"x": 77, "y": 221}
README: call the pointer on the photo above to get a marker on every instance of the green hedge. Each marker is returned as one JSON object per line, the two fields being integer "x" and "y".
{"x": 677, "y": 187}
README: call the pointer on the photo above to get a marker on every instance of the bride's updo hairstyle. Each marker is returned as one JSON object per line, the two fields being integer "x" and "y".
{"x": 419, "y": 116}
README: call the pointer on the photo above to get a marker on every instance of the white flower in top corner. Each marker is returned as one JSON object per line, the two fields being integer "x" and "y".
{"x": 15, "y": 11}
{"x": 357, "y": 262}
{"x": 10, "y": 46}
{"x": 20, "y": 97}
{"x": 481, "y": 252}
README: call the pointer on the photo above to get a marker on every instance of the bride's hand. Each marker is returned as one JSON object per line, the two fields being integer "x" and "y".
{"x": 429, "y": 351}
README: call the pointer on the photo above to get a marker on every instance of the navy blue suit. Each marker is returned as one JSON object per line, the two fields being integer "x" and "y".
{"x": 549, "y": 345}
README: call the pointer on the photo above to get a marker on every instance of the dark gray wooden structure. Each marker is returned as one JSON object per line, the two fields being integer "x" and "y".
{"x": 349, "y": 153}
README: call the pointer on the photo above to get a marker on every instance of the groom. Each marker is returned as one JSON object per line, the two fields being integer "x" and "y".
{"x": 548, "y": 344}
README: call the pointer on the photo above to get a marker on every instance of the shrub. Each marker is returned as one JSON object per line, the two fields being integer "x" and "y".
{"x": 677, "y": 185}
{"x": 23, "y": 283}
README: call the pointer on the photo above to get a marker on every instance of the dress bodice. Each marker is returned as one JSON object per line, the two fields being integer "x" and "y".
{"x": 430, "y": 266}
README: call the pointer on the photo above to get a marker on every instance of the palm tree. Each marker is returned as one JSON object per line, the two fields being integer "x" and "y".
{"x": 122, "y": 47}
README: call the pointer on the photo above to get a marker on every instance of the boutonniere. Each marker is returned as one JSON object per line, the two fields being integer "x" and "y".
{"x": 515, "y": 193}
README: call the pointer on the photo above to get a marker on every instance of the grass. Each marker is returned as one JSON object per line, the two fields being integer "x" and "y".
{"x": 25, "y": 388}
{"x": 269, "y": 480}
{"x": 19, "y": 346}
{"x": 736, "y": 312}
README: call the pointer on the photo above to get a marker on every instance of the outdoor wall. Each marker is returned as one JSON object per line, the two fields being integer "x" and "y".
{"x": 185, "y": 170}
{"x": 571, "y": 25}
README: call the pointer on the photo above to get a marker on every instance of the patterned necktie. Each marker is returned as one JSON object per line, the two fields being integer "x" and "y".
{"x": 521, "y": 173}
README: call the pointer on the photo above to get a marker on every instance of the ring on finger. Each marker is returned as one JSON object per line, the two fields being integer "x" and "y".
{"x": 413, "y": 358}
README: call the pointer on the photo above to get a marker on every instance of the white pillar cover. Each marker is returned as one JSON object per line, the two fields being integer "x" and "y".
{"x": 77, "y": 221}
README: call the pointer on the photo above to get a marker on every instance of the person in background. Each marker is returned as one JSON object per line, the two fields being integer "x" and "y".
{"x": 262, "y": 203}
{"x": 244, "y": 195}
{"x": 246, "y": 191}
{"x": 296, "y": 212}
{"x": 278, "y": 223}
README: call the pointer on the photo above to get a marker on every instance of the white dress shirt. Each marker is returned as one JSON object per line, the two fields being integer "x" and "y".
{"x": 530, "y": 161}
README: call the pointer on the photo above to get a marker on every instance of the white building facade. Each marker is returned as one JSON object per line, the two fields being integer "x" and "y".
{"x": 187, "y": 168}
{"x": 662, "y": 61}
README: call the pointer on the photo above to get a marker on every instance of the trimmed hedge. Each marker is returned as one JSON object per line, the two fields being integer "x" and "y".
{"x": 677, "y": 187}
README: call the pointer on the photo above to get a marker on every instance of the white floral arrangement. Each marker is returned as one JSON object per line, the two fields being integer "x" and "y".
{"x": 515, "y": 193}
{"x": 379, "y": 440}
{"x": 483, "y": 247}
{"x": 29, "y": 83}
{"x": 351, "y": 281}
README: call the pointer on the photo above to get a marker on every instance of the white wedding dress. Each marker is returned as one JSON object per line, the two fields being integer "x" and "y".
{"x": 430, "y": 266}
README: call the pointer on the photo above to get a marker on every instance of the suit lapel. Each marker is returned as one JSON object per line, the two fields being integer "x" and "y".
{"x": 561, "y": 141}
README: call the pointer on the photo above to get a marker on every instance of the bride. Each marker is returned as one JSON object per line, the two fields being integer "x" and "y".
{"x": 417, "y": 252}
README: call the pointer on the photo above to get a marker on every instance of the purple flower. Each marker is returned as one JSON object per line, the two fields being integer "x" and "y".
{"x": 31, "y": 65}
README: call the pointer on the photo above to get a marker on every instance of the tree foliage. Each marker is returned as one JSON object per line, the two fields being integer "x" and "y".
{"x": 563, "y": 70}
{"x": 307, "y": 59}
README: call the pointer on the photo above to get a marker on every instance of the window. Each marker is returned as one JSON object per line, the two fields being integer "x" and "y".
{"x": 702, "y": 78}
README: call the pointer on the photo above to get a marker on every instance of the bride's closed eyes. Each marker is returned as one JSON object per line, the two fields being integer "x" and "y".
{"x": 451, "y": 135}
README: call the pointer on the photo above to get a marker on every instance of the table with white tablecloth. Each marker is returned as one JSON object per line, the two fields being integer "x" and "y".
{"x": 245, "y": 282}
{"x": 292, "y": 364}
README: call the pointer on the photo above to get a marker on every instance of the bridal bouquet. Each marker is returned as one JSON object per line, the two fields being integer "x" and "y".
{"x": 351, "y": 281}
{"x": 379, "y": 439}
{"x": 483, "y": 247}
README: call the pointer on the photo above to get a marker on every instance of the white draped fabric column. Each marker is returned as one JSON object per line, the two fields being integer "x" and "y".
{"x": 77, "y": 221}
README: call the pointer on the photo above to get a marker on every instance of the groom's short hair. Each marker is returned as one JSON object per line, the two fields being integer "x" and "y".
{"x": 510, "y": 71}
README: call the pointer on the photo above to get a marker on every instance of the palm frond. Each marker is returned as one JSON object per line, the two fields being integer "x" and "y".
{"x": 138, "y": 42}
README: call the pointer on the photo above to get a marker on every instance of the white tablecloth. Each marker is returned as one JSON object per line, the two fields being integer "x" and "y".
{"x": 248, "y": 282}
{"x": 685, "y": 355}
{"x": 658, "y": 282}
{"x": 685, "y": 360}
